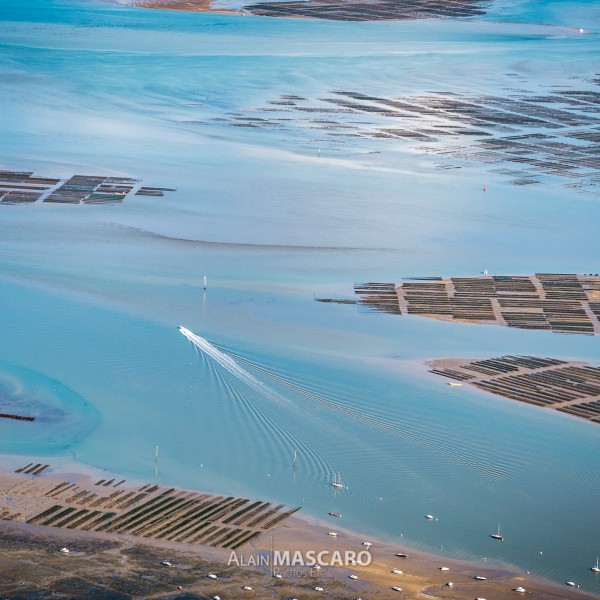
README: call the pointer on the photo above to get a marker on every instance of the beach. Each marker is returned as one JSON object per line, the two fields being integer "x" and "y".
{"x": 98, "y": 564}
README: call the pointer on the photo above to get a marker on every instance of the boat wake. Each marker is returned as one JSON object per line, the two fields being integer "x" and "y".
{"x": 269, "y": 413}
{"x": 228, "y": 363}
{"x": 409, "y": 431}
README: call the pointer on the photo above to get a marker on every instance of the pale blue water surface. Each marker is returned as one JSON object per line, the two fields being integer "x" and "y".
{"x": 91, "y": 296}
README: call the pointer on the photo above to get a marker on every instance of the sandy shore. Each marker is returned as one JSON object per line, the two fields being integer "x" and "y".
{"x": 189, "y": 5}
{"x": 105, "y": 565}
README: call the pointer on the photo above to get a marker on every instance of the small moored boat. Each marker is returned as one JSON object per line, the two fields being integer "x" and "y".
{"x": 337, "y": 482}
{"x": 497, "y": 535}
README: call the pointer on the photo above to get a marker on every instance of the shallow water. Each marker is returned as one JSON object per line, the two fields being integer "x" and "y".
{"x": 92, "y": 296}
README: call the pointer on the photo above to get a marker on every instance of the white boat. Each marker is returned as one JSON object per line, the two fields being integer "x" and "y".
{"x": 247, "y": 588}
{"x": 64, "y": 550}
{"x": 596, "y": 567}
{"x": 397, "y": 572}
{"x": 396, "y": 588}
{"x": 332, "y": 533}
{"x": 401, "y": 555}
{"x": 444, "y": 569}
{"x": 318, "y": 589}
{"x": 429, "y": 517}
{"x": 367, "y": 544}
{"x": 520, "y": 589}
{"x": 353, "y": 576}
{"x": 449, "y": 584}
{"x": 454, "y": 383}
{"x": 337, "y": 482}
{"x": 497, "y": 536}
{"x": 278, "y": 576}
{"x": 480, "y": 578}
{"x": 212, "y": 576}
{"x": 166, "y": 563}
{"x": 571, "y": 583}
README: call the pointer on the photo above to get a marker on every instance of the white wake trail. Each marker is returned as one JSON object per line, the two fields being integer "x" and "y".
{"x": 228, "y": 363}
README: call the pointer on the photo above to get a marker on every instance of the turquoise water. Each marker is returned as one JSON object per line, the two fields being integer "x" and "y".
{"x": 91, "y": 296}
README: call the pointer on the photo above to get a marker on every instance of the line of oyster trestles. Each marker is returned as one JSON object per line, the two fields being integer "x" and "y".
{"x": 562, "y": 303}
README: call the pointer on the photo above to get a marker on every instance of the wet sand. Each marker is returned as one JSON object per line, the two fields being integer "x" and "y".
{"x": 108, "y": 565}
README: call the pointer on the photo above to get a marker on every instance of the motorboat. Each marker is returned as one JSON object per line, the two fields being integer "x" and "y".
{"x": 396, "y": 588}
{"x": 212, "y": 576}
{"x": 353, "y": 576}
{"x": 429, "y": 517}
{"x": 480, "y": 578}
{"x": 596, "y": 567}
{"x": 332, "y": 533}
{"x": 397, "y": 572}
{"x": 520, "y": 589}
{"x": 64, "y": 550}
{"x": 335, "y": 514}
{"x": 401, "y": 555}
